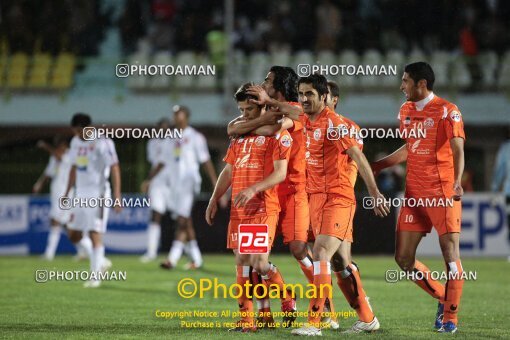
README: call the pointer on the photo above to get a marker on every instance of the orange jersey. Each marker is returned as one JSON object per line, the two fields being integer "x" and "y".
{"x": 430, "y": 171}
{"x": 325, "y": 156}
{"x": 296, "y": 172}
{"x": 351, "y": 166}
{"x": 252, "y": 160}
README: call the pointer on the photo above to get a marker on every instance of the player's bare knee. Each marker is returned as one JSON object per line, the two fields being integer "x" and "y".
{"x": 405, "y": 262}
{"x": 298, "y": 249}
{"x": 259, "y": 264}
{"x": 75, "y": 236}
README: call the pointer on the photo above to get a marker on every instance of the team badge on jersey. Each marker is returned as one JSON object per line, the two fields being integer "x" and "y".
{"x": 455, "y": 116}
{"x": 260, "y": 140}
{"x": 286, "y": 141}
{"x": 317, "y": 134}
{"x": 429, "y": 122}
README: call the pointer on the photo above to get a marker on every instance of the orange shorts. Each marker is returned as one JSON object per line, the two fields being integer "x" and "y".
{"x": 331, "y": 215}
{"x": 422, "y": 219}
{"x": 233, "y": 227}
{"x": 294, "y": 219}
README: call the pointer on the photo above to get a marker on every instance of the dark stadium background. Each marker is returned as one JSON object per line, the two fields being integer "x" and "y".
{"x": 97, "y": 35}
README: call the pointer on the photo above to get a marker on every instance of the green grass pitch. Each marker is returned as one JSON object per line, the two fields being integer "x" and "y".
{"x": 126, "y": 309}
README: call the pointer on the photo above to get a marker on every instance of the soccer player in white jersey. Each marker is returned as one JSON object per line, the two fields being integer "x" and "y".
{"x": 92, "y": 162}
{"x": 187, "y": 154}
{"x": 57, "y": 171}
{"x": 158, "y": 191}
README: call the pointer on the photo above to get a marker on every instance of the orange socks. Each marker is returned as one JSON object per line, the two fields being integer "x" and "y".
{"x": 349, "y": 282}
{"x": 273, "y": 276}
{"x": 453, "y": 291}
{"x": 306, "y": 265}
{"x": 245, "y": 303}
{"x": 432, "y": 287}
{"x": 322, "y": 283}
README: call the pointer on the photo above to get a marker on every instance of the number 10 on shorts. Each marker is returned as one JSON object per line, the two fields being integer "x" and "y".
{"x": 253, "y": 239}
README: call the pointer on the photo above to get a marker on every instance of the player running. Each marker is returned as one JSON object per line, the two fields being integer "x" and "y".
{"x": 279, "y": 93}
{"x": 434, "y": 170}
{"x": 92, "y": 162}
{"x": 57, "y": 171}
{"x": 158, "y": 191}
{"x": 255, "y": 165}
{"x": 331, "y": 194}
{"x": 185, "y": 155}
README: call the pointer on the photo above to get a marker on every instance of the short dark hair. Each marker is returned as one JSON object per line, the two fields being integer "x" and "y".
{"x": 421, "y": 70}
{"x": 162, "y": 122}
{"x": 285, "y": 82}
{"x": 81, "y": 120}
{"x": 185, "y": 109}
{"x": 333, "y": 88}
{"x": 242, "y": 93}
{"x": 318, "y": 81}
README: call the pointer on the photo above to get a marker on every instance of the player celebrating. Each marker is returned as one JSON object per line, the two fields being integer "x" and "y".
{"x": 158, "y": 192}
{"x": 434, "y": 170}
{"x": 346, "y": 271}
{"x": 279, "y": 92}
{"x": 186, "y": 155}
{"x": 58, "y": 171}
{"x": 92, "y": 162}
{"x": 331, "y": 193}
{"x": 255, "y": 165}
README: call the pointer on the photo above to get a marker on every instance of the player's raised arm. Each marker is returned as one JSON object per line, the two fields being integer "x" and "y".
{"x": 262, "y": 125}
{"x": 366, "y": 173}
{"x": 277, "y": 176}
{"x": 71, "y": 181}
{"x": 116, "y": 181}
{"x": 222, "y": 184}
{"x": 39, "y": 184}
{"x": 397, "y": 157}
{"x": 457, "y": 145}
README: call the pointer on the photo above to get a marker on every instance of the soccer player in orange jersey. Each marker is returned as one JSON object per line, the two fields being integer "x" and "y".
{"x": 434, "y": 170}
{"x": 331, "y": 194}
{"x": 255, "y": 165}
{"x": 346, "y": 271}
{"x": 279, "y": 93}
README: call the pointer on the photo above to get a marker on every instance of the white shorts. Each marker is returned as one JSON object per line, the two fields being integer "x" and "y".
{"x": 89, "y": 219}
{"x": 62, "y": 216}
{"x": 182, "y": 196}
{"x": 159, "y": 195}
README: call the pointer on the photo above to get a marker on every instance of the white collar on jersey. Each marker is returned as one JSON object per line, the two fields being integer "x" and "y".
{"x": 421, "y": 103}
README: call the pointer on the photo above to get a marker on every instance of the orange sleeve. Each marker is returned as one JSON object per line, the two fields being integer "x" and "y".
{"x": 282, "y": 146}
{"x": 230, "y": 157}
{"x": 298, "y": 125}
{"x": 454, "y": 124}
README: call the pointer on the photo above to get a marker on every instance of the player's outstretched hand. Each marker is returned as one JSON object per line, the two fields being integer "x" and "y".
{"x": 37, "y": 188}
{"x": 381, "y": 207}
{"x": 260, "y": 93}
{"x": 458, "y": 191}
{"x": 210, "y": 212}
{"x": 243, "y": 197}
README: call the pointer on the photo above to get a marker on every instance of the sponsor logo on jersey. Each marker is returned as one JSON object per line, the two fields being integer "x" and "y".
{"x": 317, "y": 134}
{"x": 415, "y": 145}
{"x": 407, "y": 120}
{"x": 260, "y": 140}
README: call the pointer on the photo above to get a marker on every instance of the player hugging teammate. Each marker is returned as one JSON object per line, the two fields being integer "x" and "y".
{"x": 307, "y": 182}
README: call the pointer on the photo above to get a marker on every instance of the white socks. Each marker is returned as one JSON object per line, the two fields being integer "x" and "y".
{"x": 194, "y": 252}
{"x": 154, "y": 233}
{"x": 84, "y": 247}
{"x": 53, "y": 240}
{"x": 175, "y": 252}
{"x": 97, "y": 258}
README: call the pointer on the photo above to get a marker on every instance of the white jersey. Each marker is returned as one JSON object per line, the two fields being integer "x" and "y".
{"x": 183, "y": 157}
{"x": 93, "y": 160}
{"x": 58, "y": 171}
{"x": 155, "y": 149}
